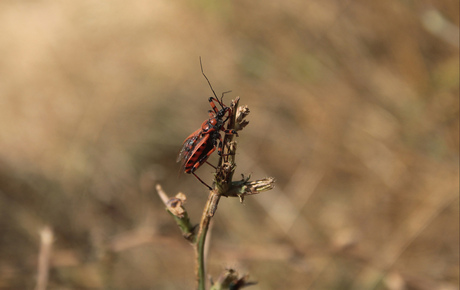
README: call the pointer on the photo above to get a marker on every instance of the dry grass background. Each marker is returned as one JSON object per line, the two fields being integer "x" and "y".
{"x": 355, "y": 112}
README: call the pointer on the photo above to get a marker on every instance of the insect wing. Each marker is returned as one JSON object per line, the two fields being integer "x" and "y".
{"x": 198, "y": 155}
{"x": 187, "y": 148}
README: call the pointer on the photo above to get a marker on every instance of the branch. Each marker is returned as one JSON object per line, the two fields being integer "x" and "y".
{"x": 223, "y": 186}
{"x": 174, "y": 206}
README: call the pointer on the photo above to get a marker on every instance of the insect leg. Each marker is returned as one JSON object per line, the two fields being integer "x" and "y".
{"x": 213, "y": 105}
{"x": 211, "y": 165}
{"x": 230, "y": 132}
{"x": 220, "y": 149}
{"x": 209, "y": 187}
{"x": 222, "y": 97}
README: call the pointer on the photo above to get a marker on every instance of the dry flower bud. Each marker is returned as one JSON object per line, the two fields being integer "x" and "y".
{"x": 241, "y": 113}
{"x": 174, "y": 205}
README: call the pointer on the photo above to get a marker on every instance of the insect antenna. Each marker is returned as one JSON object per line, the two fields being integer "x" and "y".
{"x": 221, "y": 98}
{"x": 201, "y": 65}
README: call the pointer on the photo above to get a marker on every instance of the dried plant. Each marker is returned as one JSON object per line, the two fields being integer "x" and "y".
{"x": 223, "y": 185}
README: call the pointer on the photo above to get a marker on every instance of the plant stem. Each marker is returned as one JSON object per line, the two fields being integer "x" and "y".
{"x": 223, "y": 180}
{"x": 208, "y": 212}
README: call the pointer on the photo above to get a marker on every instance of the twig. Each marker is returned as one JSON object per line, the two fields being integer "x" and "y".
{"x": 174, "y": 206}
{"x": 223, "y": 186}
{"x": 208, "y": 213}
{"x": 46, "y": 241}
{"x": 212, "y": 202}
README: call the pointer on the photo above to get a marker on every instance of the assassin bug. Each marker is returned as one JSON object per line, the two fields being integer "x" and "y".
{"x": 197, "y": 147}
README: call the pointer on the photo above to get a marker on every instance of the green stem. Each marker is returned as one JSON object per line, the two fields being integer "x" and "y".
{"x": 208, "y": 211}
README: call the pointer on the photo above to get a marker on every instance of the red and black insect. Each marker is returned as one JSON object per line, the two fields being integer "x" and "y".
{"x": 197, "y": 148}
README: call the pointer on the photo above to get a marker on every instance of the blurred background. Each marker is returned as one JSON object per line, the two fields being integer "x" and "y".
{"x": 354, "y": 110}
